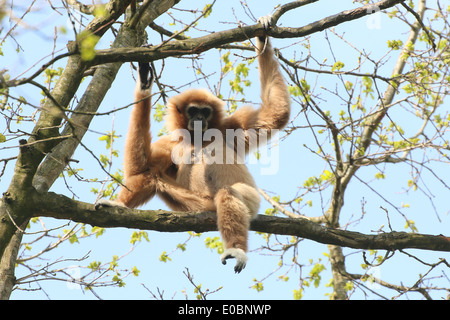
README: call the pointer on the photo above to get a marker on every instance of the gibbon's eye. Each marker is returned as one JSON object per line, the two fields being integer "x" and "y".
{"x": 192, "y": 111}
{"x": 206, "y": 112}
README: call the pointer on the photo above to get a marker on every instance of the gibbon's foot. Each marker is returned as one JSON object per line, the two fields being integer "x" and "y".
{"x": 107, "y": 203}
{"x": 238, "y": 254}
{"x": 145, "y": 75}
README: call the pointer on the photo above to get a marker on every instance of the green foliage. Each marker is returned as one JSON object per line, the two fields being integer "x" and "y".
{"x": 411, "y": 225}
{"x": 197, "y": 290}
{"x": 327, "y": 177}
{"x": 298, "y": 294}
{"x": 214, "y": 244}
{"x": 207, "y": 10}
{"x": 52, "y": 75}
{"x": 100, "y": 11}
{"x": 315, "y": 272}
{"x": 338, "y": 65}
{"x": 302, "y": 91}
{"x": 395, "y": 44}
{"x": 159, "y": 112}
{"x": 135, "y": 271}
{"x": 108, "y": 138}
{"x": 380, "y": 176}
{"x": 95, "y": 265}
{"x": 367, "y": 83}
{"x": 106, "y": 161}
{"x": 137, "y": 236}
{"x": 164, "y": 257}
{"x": 71, "y": 236}
{"x": 258, "y": 286}
{"x": 240, "y": 74}
{"x": 87, "y": 42}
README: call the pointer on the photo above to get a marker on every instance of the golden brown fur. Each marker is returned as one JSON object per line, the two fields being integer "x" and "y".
{"x": 228, "y": 189}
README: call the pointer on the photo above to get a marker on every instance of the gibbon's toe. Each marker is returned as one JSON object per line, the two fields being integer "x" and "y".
{"x": 101, "y": 203}
{"x": 238, "y": 254}
{"x": 106, "y": 203}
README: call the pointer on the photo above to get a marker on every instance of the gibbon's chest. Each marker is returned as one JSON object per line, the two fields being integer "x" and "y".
{"x": 206, "y": 173}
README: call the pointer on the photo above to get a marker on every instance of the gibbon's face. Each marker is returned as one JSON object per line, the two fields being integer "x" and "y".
{"x": 200, "y": 113}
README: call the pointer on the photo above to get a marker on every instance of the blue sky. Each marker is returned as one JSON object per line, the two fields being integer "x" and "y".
{"x": 297, "y": 164}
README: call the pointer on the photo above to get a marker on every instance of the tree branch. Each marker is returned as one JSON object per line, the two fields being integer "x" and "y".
{"x": 61, "y": 207}
{"x": 217, "y": 39}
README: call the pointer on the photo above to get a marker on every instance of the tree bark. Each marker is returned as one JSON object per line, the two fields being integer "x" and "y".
{"x": 42, "y": 177}
{"x": 32, "y": 172}
{"x": 61, "y": 207}
{"x": 243, "y": 33}
{"x": 342, "y": 180}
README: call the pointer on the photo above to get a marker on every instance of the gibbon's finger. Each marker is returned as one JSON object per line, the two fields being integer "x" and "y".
{"x": 238, "y": 254}
{"x": 265, "y": 21}
{"x": 145, "y": 75}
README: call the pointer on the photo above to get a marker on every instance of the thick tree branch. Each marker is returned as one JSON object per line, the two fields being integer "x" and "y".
{"x": 217, "y": 39}
{"x": 61, "y": 207}
{"x": 15, "y": 207}
{"x": 50, "y": 169}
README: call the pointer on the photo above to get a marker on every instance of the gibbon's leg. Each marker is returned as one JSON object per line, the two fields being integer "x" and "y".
{"x": 182, "y": 199}
{"x": 236, "y": 206}
{"x": 140, "y": 181}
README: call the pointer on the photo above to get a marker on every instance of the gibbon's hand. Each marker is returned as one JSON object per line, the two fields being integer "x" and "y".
{"x": 238, "y": 254}
{"x": 146, "y": 77}
{"x": 107, "y": 203}
{"x": 265, "y": 21}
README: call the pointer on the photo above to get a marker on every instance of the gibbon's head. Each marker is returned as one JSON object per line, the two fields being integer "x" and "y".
{"x": 194, "y": 105}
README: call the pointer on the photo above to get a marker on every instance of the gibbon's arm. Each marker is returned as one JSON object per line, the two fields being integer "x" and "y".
{"x": 147, "y": 166}
{"x": 140, "y": 184}
{"x": 275, "y": 108}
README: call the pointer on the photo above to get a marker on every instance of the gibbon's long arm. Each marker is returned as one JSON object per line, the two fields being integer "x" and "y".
{"x": 276, "y": 105}
{"x": 275, "y": 108}
{"x": 146, "y": 165}
{"x": 139, "y": 176}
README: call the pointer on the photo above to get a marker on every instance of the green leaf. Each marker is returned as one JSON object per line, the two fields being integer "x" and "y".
{"x": 87, "y": 43}
{"x": 298, "y": 294}
{"x": 380, "y": 175}
{"x": 337, "y": 66}
{"x": 395, "y": 44}
{"x": 164, "y": 257}
{"x": 258, "y": 286}
{"x": 135, "y": 271}
{"x": 94, "y": 265}
{"x": 214, "y": 244}
{"x": 138, "y": 235}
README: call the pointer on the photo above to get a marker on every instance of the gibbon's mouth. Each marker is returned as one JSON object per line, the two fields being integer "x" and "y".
{"x": 198, "y": 125}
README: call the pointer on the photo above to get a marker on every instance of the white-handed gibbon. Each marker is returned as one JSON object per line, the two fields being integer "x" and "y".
{"x": 226, "y": 188}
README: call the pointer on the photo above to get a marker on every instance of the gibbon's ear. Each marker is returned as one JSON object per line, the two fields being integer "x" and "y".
{"x": 176, "y": 118}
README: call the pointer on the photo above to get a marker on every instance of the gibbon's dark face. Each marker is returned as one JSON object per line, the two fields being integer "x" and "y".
{"x": 198, "y": 113}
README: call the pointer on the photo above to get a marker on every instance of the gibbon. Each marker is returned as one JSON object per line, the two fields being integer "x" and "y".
{"x": 226, "y": 188}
